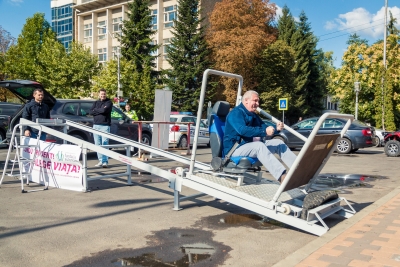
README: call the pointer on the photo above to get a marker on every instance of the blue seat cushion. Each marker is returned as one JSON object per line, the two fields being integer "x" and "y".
{"x": 237, "y": 159}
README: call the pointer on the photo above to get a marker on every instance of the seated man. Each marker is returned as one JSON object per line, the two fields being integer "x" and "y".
{"x": 244, "y": 126}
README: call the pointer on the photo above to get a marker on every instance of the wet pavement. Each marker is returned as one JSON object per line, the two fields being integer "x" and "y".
{"x": 119, "y": 225}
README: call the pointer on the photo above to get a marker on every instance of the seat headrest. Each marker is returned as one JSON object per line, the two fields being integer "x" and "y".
{"x": 221, "y": 108}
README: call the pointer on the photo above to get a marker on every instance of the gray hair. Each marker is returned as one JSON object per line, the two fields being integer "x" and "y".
{"x": 248, "y": 95}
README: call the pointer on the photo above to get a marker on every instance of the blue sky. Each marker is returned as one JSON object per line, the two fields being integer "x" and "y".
{"x": 331, "y": 20}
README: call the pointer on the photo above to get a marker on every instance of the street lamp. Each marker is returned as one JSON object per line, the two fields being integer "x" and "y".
{"x": 357, "y": 88}
{"x": 119, "y": 93}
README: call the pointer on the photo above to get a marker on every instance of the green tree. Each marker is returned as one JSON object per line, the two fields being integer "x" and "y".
{"x": 356, "y": 39}
{"x": 6, "y": 41}
{"x": 307, "y": 90}
{"x": 391, "y": 25}
{"x": 22, "y": 59}
{"x": 276, "y": 76}
{"x": 71, "y": 72}
{"x": 188, "y": 57}
{"x": 286, "y": 26}
{"x": 136, "y": 42}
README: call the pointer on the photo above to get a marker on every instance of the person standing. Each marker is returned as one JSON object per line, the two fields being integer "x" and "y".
{"x": 130, "y": 113}
{"x": 101, "y": 111}
{"x": 36, "y": 109}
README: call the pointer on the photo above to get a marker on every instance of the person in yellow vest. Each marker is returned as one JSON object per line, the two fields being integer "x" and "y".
{"x": 131, "y": 113}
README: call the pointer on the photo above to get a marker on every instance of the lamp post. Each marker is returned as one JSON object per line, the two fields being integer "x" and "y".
{"x": 119, "y": 94}
{"x": 357, "y": 88}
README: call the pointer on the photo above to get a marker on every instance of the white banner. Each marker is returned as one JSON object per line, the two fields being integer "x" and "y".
{"x": 57, "y": 165}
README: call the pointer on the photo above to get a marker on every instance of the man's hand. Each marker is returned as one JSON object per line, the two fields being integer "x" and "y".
{"x": 280, "y": 126}
{"x": 27, "y": 133}
{"x": 270, "y": 130}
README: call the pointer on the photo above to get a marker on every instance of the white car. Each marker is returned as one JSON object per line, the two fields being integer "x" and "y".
{"x": 178, "y": 132}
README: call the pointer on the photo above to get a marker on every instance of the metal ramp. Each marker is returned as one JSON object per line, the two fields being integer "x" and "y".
{"x": 281, "y": 202}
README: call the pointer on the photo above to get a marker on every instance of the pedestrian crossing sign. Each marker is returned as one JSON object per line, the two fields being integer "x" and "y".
{"x": 283, "y": 104}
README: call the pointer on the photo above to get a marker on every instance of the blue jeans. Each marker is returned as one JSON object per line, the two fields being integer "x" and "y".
{"x": 101, "y": 140}
{"x": 42, "y": 136}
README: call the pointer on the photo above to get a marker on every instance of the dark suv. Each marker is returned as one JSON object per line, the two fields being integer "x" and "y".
{"x": 76, "y": 110}
{"x": 6, "y": 111}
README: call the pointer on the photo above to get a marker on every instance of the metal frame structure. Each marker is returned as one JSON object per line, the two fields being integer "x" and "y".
{"x": 262, "y": 196}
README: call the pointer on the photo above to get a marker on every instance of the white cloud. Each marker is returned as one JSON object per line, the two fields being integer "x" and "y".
{"x": 362, "y": 22}
{"x": 278, "y": 12}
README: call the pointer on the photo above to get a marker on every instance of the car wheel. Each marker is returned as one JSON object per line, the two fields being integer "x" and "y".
{"x": 183, "y": 143}
{"x": 343, "y": 146}
{"x": 392, "y": 148}
{"x": 377, "y": 141}
{"x": 146, "y": 139}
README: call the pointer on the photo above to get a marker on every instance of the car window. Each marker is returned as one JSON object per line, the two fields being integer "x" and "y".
{"x": 117, "y": 114}
{"x": 173, "y": 119}
{"x": 307, "y": 124}
{"x": 84, "y": 109}
{"x": 70, "y": 109}
{"x": 202, "y": 125}
{"x": 9, "y": 110}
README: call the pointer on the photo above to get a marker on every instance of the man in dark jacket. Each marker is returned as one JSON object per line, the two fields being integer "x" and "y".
{"x": 244, "y": 126}
{"x": 101, "y": 111}
{"x": 35, "y": 109}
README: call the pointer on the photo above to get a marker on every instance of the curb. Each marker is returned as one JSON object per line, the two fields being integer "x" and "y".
{"x": 302, "y": 253}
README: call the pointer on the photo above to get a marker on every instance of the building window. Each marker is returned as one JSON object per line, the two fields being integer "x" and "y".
{"x": 169, "y": 16}
{"x": 154, "y": 19}
{"x": 166, "y": 43}
{"x": 87, "y": 33}
{"x": 102, "y": 52}
{"x": 101, "y": 30}
{"x": 115, "y": 51}
{"x": 155, "y": 53}
{"x": 117, "y": 23}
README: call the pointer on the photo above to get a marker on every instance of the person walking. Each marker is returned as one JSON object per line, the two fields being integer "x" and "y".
{"x": 35, "y": 109}
{"x": 130, "y": 113}
{"x": 101, "y": 111}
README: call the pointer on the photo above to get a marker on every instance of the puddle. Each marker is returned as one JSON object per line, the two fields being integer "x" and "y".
{"x": 338, "y": 181}
{"x": 173, "y": 247}
{"x": 192, "y": 254}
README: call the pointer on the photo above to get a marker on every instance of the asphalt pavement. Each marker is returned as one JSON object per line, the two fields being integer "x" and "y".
{"x": 118, "y": 225}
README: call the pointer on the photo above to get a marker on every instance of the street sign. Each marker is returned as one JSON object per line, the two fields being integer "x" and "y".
{"x": 283, "y": 104}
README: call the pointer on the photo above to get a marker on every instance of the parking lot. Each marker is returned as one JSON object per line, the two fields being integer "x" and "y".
{"x": 118, "y": 225}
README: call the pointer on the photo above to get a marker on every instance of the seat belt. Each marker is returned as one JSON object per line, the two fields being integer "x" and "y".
{"x": 218, "y": 163}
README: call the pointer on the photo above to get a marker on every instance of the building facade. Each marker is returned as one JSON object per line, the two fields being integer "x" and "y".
{"x": 62, "y": 20}
{"x": 98, "y": 23}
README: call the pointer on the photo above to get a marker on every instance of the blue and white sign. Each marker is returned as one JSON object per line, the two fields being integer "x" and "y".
{"x": 283, "y": 104}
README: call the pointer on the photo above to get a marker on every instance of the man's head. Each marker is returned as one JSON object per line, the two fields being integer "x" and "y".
{"x": 128, "y": 107}
{"x": 251, "y": 100}
{"x": 102, "y": 94}
{"x": 38, "y": 95}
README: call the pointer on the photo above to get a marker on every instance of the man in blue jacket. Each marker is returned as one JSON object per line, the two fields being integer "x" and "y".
{"x": 33, "y": 110}
{"x": 101, "y": 111}
{"x": 244, "y": 126}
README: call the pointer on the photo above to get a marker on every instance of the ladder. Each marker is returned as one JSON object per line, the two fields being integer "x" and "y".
{"x": 25, "y": 165}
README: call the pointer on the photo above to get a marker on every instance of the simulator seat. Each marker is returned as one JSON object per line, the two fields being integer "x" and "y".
{"x": 234, "y": 165}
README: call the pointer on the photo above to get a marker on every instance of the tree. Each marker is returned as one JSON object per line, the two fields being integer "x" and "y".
{"x": 276, "y": 76}
{"x": 6, "y": 41}
{"x": 22, "y": 59}
{"x": 391, "y": 25}
{"x": 136, "y": 42}
{"x": 356, "y": 39}
{"x": 239, "y": 32}
{"x": 71, "y": 72}
{"x": 286, "y": 26}
{"x": 188, "y": 56}
{"x": 364, "y": 64}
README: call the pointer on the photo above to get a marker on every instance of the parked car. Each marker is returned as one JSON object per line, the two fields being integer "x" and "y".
{"x": 6, "y": 110}
{"x": 392, "y": 144}
{"x": 359, "y": 135}
{"x": 76, "y": 110}
{"x": 178, "y": 132}
{"x": 379, "y": 138}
